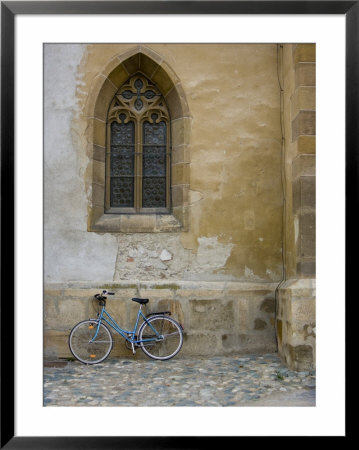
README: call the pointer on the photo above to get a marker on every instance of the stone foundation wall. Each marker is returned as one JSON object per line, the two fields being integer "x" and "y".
{"x": 296, "y": 324}
{"x": 218, "y": 317}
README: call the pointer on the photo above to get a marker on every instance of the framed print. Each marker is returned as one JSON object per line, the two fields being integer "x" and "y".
{"x": 202, "y": 155}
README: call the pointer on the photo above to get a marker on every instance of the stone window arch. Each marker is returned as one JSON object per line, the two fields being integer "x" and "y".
{"x": 120, "y": 74}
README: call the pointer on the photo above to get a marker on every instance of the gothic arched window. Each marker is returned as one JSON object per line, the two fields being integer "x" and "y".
{"x": 138, "y": 150}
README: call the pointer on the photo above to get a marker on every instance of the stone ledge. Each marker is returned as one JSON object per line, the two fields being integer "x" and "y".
{"x": 166, "y": 284}
{"x": 302, "y": 286}
{"x": 136, "y": 223}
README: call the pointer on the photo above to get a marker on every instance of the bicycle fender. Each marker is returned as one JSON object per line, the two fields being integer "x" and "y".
{"x": 159, "y": 313}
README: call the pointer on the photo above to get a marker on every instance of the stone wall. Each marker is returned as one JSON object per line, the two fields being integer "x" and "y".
{"x": 296, "y": 300}
{"x": 299, "y": 131}
{"x": 296, "y": 324}
{"x": 218, "y": 317}
{"x": 217, "y": 260}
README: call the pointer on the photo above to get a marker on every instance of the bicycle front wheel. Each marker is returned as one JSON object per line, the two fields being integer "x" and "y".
{"x": 86, "y": 349}
{"x": 163, "y": 337}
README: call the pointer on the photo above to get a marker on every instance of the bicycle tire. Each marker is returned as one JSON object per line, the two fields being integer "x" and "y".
{"x": 82, "y": 349}
{"x": 166, "y": 348}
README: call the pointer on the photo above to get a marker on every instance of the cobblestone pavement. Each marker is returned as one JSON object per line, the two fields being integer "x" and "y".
{"x": 251, "y": 380}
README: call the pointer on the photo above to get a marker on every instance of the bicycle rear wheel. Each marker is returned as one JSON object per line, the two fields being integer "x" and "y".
{"x": 168, "y": 344}
{"x": 81, "y": 346}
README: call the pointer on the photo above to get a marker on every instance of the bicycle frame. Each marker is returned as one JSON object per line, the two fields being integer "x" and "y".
{"x": 128, "y": 335}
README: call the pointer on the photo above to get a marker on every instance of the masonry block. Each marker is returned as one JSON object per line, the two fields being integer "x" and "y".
{"x": 305, "y": 74}
{"x": 307, "y": 234}
{"x": 108, "y": 90}
{"x": 306, "y": 269}
{"x": 305, "y": 145}
{"x": 304, "y": 193}
{"x": 175, "y": 307}
{"x": 56, "y": 344}
{"x": 304, "y": 53}
{"x": 300, "y": 357}
{"x": 295, "y": 323}
{"x": 70, "y": 312}
{"x": 180, "y": 154}
{"x": 119, "y": 75}
{"x": 131, "y": 63}
{"x": 303, "y": 99}
{"x": 99, "y": 153}
{"x": 204, "y": 343}
{"x": 303, "y": 124}
{"x": 303, "y": 165}
{"x": 211, "y": 315}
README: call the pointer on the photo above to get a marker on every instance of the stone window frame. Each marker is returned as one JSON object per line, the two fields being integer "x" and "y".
{"x": 118, "y": 70}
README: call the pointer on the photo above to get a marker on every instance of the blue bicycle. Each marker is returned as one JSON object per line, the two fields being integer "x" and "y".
{"x": 159, "y": 336}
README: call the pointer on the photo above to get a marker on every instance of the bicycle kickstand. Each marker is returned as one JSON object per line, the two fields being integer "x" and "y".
{"x": 133, "y": 349}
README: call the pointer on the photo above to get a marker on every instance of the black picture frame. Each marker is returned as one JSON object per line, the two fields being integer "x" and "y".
{"x": 9, "y": 9}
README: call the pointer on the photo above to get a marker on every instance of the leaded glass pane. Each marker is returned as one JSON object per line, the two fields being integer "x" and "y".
{"x": 154, "y": 165}
{"x": 122, "y": 164}
{"x": 122, "y": 192}
{"x": 154, "y": 161}
{"x": 154, "y": 192}
{"x": 154, "y": 133}
{"x": 122, "y": 133}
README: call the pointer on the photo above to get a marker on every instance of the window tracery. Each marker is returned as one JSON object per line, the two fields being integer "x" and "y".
{"x": 138, "y": 149}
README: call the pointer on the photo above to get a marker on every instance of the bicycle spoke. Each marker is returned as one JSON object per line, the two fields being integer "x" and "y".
{"x": 171, "y": 337}
{"x": 85, "y": 349}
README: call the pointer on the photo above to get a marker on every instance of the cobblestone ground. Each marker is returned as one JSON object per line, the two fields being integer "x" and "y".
{"x": 252, "y": 380}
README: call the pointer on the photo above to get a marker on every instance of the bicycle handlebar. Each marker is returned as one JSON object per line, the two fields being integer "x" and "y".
{"x": 102, "y": 295}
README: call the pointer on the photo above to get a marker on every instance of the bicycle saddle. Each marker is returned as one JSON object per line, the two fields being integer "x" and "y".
{"x": 143, "y": 301}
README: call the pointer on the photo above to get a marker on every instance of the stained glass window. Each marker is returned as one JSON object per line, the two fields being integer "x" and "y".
{"x": 154, "y": 164}
{"x": 122, "y": 164}
{"x": 138, "y": 157}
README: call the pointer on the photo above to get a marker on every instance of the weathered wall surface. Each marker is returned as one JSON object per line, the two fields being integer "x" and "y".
{"x": 298, "y": 73}
{"x": 296, "y": 307}
{"x": 218, "y": 317}
{"x": 231, "y": 251}
{"x": 235, "y": 196}
{"x": 296, "y": 324}
{"x": 70, "y": 252}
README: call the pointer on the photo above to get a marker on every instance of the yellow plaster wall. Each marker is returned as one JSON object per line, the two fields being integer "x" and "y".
{"x": 236, "y": 194}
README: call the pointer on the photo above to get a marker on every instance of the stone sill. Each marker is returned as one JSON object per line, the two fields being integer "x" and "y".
{"x": 136, "y": 223}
